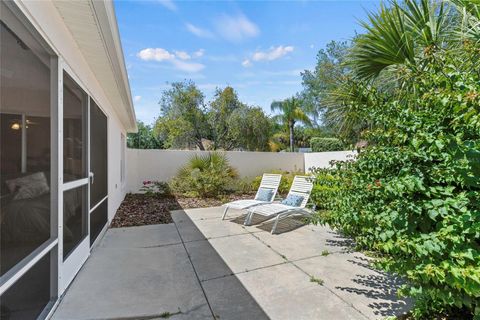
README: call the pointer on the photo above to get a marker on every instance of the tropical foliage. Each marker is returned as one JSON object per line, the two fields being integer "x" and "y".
{"x": 186, "y": 121}
{"x": 326, "y": 144}
{"x": 144, "y": 138}
{"x": 290, "y": 111}
{"x": 206, "y": 175}
{"x": 412, "y": 193}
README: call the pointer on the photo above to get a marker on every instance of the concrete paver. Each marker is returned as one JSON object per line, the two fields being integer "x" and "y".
{"x": 208, "y": 268}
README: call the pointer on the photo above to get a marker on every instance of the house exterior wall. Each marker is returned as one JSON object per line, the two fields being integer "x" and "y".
{"x": 46, "y": 19}
{"x": 322, "y": 159}
{"x": 162, "y": 165}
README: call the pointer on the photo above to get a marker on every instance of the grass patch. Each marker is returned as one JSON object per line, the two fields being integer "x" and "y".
{"x": 316, "y": 280}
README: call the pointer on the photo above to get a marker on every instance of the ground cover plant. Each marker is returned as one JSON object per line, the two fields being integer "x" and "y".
{"x": 412, "y": 195}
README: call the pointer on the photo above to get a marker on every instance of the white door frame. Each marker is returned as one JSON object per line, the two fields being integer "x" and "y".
{"x": 68, "y": 268}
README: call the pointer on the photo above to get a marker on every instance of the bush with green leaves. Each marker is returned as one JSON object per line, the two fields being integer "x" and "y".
{"x": 414, "y": 194}
{"x": 325, "y": 187}
{"x": 207, "y": 175}
{"x": 326, "y": 144}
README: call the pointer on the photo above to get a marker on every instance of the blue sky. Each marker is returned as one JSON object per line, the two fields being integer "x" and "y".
{"x": 257, "y": 47}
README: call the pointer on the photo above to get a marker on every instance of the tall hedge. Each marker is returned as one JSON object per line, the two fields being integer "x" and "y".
{"x": 326, "y": 144}
{"x": 413, "y": 195}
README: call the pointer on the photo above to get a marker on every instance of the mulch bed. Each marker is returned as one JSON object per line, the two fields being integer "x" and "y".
{"x": 140, "y": 209}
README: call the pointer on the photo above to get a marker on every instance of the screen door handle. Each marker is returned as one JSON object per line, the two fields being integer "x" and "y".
{"x": 92, "y": 177}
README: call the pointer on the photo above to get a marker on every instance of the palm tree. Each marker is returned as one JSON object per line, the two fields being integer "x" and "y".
{"x": 291, "y": 112}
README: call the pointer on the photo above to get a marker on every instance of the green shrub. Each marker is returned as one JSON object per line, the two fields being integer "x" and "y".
{"x": 325, "y": 188}
{"x": 207, "y": 175}
{"x": 243, "y": 186}
{"x": 413, "y": 195}
{"x": 285, "y": 183}
{"x": 326, "y": 144}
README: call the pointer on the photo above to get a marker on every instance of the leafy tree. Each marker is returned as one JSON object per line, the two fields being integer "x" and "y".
{"x": 144, "y": 138}
{"x": 224, "y": 103}
{"x": 183, "y": 121}
{"x": 328, "y": 72}
{"x": 333, "y": 91}
{"x": 291, "y": 111}
{"x": 249, "y": 128}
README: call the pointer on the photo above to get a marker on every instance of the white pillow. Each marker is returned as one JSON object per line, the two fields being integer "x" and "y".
{"x": 28, "y": 187}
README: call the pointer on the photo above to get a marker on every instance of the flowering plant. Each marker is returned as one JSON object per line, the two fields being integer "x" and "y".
{"x": 152, "y": 188}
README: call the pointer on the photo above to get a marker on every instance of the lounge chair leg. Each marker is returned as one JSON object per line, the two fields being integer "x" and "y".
{"x": 248, "y": 218}
{"x": 225, "y": 212}
{"x": 245, "y": 223}
{"x": 274, "y": 228}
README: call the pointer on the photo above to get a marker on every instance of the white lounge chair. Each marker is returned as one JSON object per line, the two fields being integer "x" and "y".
{"x": 270, "y": 183}
{"x": 301, "y": 188}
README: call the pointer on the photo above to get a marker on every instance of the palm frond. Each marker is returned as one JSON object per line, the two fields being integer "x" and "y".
{"x": 470, "y": 14}
{"x": 386, "y": 43}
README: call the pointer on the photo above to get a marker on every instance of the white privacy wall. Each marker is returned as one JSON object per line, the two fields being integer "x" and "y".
{"x": 162, "y": 165}
{"x": 322, "y": 159}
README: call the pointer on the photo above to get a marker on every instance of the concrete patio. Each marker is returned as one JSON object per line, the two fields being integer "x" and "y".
{"x": 201, "y": 267}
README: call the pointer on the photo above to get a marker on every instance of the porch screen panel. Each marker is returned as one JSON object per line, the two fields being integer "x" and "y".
{"x": 75, "y": 102}
{"x": 24, "y": 157}
{"x": 75, "y": 147}
{"x": 25, "y": 169}
{"x": 99, "y": 168}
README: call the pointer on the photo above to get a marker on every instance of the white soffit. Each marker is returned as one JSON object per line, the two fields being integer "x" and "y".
{"x": 93, "y": 25}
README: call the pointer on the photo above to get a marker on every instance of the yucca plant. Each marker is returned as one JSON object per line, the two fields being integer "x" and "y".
{"x": 206, "y": 175}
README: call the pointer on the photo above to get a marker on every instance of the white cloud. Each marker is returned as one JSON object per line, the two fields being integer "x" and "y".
{"x": 247, "y": 63}
{"x": 169, "y": 4}
{"x": 273, "y": 54}
{"x": 157, "y": 54}
{"x": 177, "y": 59}
{"x": 236, "y": 28}
{"x": 190, "y": 67}
{"x": 182, "y": 55}
{"x": 199, "y": 53}
{"x": 137, "y": 98}
{"x": 199, "y": 32}
{"x": 312, "y": 46}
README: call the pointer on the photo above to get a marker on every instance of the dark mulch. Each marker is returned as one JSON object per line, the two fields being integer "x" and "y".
{"x": 140, "y": 209}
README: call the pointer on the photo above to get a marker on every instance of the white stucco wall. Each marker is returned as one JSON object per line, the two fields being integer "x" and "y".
{"x": 162, "y": 165}
{"x": 322, "y": 159}
{"x": 46, "y": 19}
